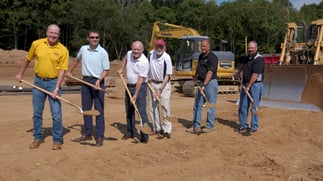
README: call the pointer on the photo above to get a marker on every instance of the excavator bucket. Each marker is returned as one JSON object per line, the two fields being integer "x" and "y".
{"x": 294, "y": 87}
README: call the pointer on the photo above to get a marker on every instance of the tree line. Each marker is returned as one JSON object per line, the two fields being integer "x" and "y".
{"x": 122, "y": 21}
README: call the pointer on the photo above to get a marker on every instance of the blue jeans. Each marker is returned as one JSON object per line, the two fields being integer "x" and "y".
{"x": 38, "y": 100}
{"x": 256, "y": 91}
{"x": 130, "y": 109}
{"x": 90, "y": 96}
{"x": 211, "y": 92}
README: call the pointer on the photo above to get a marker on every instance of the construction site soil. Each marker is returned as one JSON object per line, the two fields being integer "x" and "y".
{"x": 288, "y": 145}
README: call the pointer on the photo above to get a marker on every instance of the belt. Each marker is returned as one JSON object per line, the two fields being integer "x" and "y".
{"x": 131, "y": 85}
{"x": 90, "y": 77}
{"x": 134, "y": 85}
{"x": 156, "y": 81}
{"x": 46, "y": 79}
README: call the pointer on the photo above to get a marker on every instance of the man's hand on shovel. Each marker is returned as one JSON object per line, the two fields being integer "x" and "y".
{"x": 206, "y": 104}
{"x": 256, "y": 111}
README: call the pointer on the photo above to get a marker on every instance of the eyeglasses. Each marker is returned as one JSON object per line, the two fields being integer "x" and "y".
{"x": 94, "y": 37}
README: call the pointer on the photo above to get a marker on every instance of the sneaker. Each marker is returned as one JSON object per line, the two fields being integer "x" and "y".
{"x": 127, "y": 136}
{"x": 83, "y": 138}
{"x": 252, "y": 130}
{"x": 207, "y": 130}
{"x": 194, "y": 130}
{"x": 241, "y": 129}
{"x": 35, "y": 144}
{"x": 167, "y": 135}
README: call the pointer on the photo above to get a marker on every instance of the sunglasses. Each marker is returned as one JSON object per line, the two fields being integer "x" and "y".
{"x": 94, "y": 37}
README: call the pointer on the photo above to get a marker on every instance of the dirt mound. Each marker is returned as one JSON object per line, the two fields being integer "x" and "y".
{"x": 12, "y": 56}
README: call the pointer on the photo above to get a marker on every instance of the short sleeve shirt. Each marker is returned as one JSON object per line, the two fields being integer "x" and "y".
{"x": 253, "y": 65}
{"x": 94, "y": 62}
{"x": 207, "y": 63}
{"x": 159, "y": 66}
{"x": 136, "y": 67}
{"x": 48, "y": 59}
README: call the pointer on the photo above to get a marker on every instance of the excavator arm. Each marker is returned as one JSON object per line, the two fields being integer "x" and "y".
{"x": 167, "y": 30}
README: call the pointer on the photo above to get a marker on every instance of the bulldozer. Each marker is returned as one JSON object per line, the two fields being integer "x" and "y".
{"x": 296, "y": 82}
{"x": 189, "y": 41}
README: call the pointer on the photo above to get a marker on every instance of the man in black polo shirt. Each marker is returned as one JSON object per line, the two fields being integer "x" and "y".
{"x": 206, "y": 74}
{"x": 252, "y": 70}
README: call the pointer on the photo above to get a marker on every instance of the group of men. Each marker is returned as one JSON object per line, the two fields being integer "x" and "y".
{"x": 151, "y": 73}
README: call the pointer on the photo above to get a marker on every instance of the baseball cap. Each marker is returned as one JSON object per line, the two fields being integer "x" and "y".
{"x": 160, "y": 42}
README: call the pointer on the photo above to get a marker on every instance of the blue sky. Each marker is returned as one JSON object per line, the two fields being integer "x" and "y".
{"x": 296, "y": 3}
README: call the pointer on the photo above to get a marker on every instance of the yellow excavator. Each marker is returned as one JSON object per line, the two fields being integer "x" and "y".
{"x": 187, "y": 58}
{"x": 296, "y": 81}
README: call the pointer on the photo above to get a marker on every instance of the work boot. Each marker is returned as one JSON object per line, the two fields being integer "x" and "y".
{"x": 207, "y": 130}
{"x": 35, "y": 144}
{"x": 194, "y": 130}
{"x": 83, "y": 138}
{"x": 57, "y": 146}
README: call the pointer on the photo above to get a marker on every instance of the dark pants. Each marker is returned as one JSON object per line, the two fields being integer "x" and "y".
{"x": 90, "y": 96}
{"x": 130, "y": 110}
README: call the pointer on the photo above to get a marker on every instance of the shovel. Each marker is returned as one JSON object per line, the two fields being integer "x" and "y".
{"x": 88, "y": 113}
{"x": 206, "y": 104}
{"x": 167, "y": 121}
{"x": 89, "y": 84}
{"x": 257, "y": 111}
{"x": 143, "y": 133}
{"x": 160, "y": 103}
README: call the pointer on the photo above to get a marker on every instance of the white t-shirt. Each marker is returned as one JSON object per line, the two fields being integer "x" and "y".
{"x": 157, "y": 66}
{"x": 136, "y": 67}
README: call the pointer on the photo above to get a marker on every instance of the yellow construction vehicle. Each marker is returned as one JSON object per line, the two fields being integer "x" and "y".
{"x": 187, "y": 58}
{"x": 296, "y": 81}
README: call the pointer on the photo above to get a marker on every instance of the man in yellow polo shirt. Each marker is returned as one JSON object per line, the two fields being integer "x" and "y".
{"x": 51, "y": 61}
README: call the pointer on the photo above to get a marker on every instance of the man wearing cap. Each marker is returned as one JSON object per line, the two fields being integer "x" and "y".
{"x": 159, "y": 77}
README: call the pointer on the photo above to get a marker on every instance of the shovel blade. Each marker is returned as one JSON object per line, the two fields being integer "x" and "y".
{"x": 258, "y": 112}
{"x": 144, "y": 137}
{"x": 171, "y": 119}
{"x": 208, "y": 105}
{"x": 145, "y": 129}
{"x": 91, "y": 113}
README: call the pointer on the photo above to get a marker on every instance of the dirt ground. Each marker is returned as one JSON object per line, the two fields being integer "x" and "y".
{"x": 288, "y": 145}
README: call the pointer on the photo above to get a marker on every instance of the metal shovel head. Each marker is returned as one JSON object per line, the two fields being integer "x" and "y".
{"x": 208, "y": 105}
{"x": 145, "y": 129}
{"x": 258, "y": 112}
{"x": 170, "y": 119}
{"x": 91, "y": 113}
{"x": 144, "y": 137}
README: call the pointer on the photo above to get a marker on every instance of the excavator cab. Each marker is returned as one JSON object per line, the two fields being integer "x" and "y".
{"x": 187, "y": 58}
{"x": 189, "y": 51}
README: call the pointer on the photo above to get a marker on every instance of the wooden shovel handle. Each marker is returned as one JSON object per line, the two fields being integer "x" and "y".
{"x": 129, "y": 94}
{"x": 251, "y": 99}
{"x": 154, "y": 93}
{"x": 89, "y": 84}
{"x": 49, "y": 93}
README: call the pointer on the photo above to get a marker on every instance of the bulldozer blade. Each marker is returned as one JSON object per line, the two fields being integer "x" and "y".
{"x": 293, "y": 87}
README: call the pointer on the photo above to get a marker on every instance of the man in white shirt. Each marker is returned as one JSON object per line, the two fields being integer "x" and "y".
{"x": 159, "y": 78}
{"x": 137, "y": 67}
